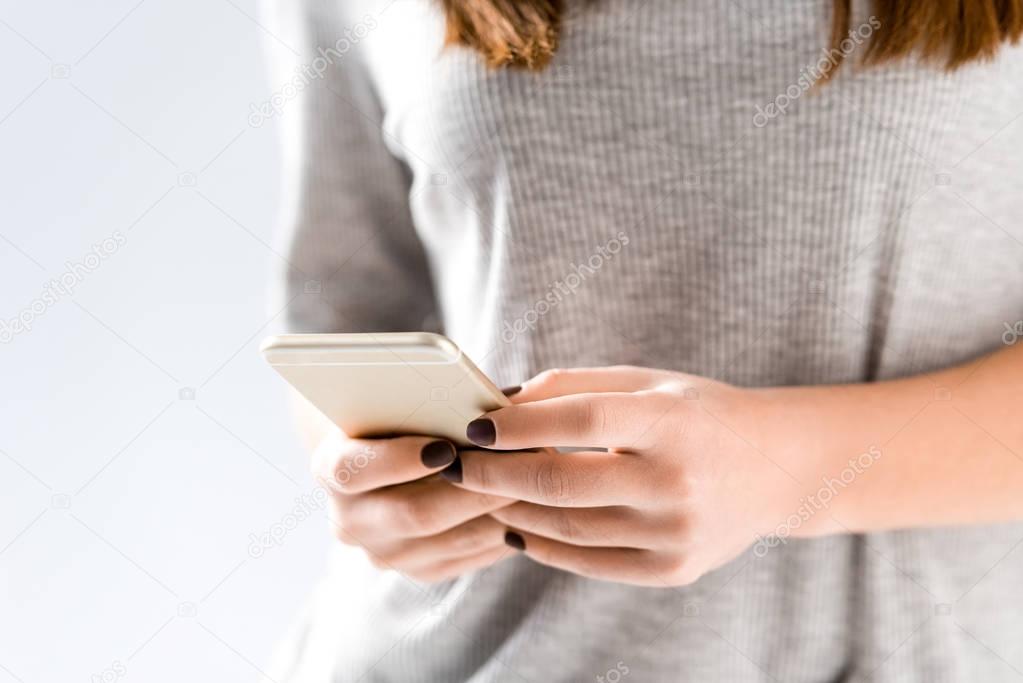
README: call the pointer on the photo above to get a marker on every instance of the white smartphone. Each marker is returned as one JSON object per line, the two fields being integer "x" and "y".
{"x": 386, "y": 384}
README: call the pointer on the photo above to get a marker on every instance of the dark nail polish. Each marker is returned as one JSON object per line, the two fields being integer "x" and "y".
{"x": 481, "y": 432}
{"x": 514, "y": 540}
{"x": 438, "y": 454}
{"x": 453, "y": 472}
{"x": 511, "y": 391}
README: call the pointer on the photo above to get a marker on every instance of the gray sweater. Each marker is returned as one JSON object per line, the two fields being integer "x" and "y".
{"x": 669, "y": 193}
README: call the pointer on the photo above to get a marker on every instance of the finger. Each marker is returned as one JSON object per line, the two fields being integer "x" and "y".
{"x": 579, "y": 479}
{"x": 451, "y": 569}
{"x": 565, "y": 381}
{"x": 627, "y": 565}
{"x": 357, "y": 465}
{"x": 415, "y": 510}
{"x": 604, "y": 420}
{"x": 605, "y": 526}
{"x": 465, "y": 540}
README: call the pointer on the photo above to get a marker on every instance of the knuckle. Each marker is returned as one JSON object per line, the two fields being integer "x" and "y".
{"x": 379, "y": 562}
{"x": 679, "y": 571}
{"x": 678, "y": 528}
{"x": 588, "y": 566}
{"x": 685, "y": 486}
{"x": 489, "y": 501}
{"x": 476, "y": 470}
{"x": 344, "y": 523}
{"x": 408, "y": 515}
{"x": 417, "y": 575}
{"x": 328, "y": 473}
{"x": 427, "y": 575}
{"x": 565, "y": 526}
{"x": 321, "y": 468}
{"x": 551, "y": 483}
{"x": 417, "y": 516}
{"x": 670, "y": 420}
{"x": 479, "y": 471}
{"x": 326, "y": 455}
{"x": 673, "y": 566}
{"x": 662, "y": 401}
{"x": 464, "y": 541}
{"x": 344, "y": 533}
{"x": 595, "y": 417}
{"x": 550, "y": 376}
{"x": 677, "y": 476}
{"x": 473, "y": 537}
{"x": 340, "y": 480}
{"x": 348, "y": 468}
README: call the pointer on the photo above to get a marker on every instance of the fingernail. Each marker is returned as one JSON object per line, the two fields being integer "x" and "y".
{"x": 438, "y": 454}
{"x": 514, "y": 540}
{"x": 511, "y": 391}
{"x": 453, "y": 472}
{"x": 481, "y": 431}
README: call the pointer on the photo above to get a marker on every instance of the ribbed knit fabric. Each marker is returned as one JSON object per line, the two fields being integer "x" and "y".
{"x": 637, "y": 203}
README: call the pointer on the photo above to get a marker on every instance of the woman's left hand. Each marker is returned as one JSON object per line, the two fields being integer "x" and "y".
{"x": 683, "y": 487}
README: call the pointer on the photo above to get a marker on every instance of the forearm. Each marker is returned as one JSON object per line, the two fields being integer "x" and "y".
{"x": 942, "y": 448}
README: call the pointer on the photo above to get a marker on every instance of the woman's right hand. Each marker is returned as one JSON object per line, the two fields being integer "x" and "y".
{"x": 386, "y": 498}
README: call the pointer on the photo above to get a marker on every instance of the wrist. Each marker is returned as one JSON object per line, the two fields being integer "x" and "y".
{"x": 815, "y": 436}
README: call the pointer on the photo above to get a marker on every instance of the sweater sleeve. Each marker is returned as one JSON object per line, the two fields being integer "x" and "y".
{"x": 354, "y": 261}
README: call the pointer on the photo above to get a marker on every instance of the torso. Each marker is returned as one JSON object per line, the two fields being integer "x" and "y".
{"x": 874, "y": 230}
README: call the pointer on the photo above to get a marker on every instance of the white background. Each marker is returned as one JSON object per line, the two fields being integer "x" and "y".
{"x": 126, "y": 506}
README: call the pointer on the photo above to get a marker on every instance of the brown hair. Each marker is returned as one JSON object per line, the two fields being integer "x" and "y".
{"x": 524, "y": 33}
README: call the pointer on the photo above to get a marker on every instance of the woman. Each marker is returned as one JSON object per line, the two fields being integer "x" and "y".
{"x": 781, "y": 245}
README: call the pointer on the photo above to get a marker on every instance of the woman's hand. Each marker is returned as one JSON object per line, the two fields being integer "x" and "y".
{"x": 384, "y": 499}
{"x": 681, "y": 489}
